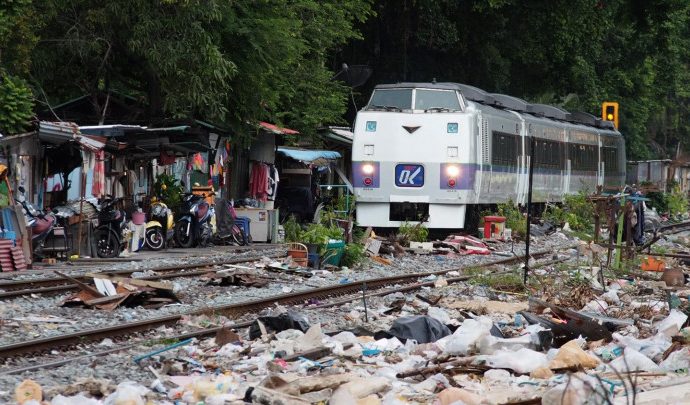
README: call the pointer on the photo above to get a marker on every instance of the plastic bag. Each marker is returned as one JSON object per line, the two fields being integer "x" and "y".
{"x": 423, "y": 329}
{"x": 439, "y": 314}
{"x": 678, "y": 360}
{"x": 572, "y": 355}
{"x": 288, "y": 320}
{"x": 78, "y": 399}
{"x": 129, "y": 393}
{"x": 523, "y": 361}
{"x": 652, "y": 347}
{"x": 632, "y": 360}
{"x": 467, "y": 336}
{"x": 671, "y": 325}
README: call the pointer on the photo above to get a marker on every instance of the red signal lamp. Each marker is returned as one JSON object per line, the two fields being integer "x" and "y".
{"x": 451, "y": 183}
{"x": 368, "y": 181}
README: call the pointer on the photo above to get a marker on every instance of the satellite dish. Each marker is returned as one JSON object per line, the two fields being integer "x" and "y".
{"x": 354, "y": 76}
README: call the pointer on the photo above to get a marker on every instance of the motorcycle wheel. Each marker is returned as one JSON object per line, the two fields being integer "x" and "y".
{"x": 181, "y": 237}
{"x": 238, "y": 236}
{"x": 155, "y": 239}
{"x": 107, "y": 245}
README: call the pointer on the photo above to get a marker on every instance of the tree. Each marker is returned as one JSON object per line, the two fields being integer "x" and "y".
{"x": 16, "y": 42}
{"x": 632, "y": 52}
{"x": 225, "y": 62}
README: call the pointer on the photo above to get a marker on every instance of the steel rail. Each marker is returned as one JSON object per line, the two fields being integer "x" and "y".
{"x": 56, "y": 284}
{"x": 242, "y": 308}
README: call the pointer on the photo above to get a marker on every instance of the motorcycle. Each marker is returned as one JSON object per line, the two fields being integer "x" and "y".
{"x": 49, "y": 230}
{"x": 160, "y": 227}
{"x": 111, "y": 224}
{"x": 193, "y": 227}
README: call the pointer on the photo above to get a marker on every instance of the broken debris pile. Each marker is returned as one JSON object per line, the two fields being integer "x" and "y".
{"x": 111, "y": 292}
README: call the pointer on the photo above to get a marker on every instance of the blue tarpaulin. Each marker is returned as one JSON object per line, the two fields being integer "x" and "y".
{"x": 317, "y": 157}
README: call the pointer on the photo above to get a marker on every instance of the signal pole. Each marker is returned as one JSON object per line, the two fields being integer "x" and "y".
{"x": 529, "y": 207}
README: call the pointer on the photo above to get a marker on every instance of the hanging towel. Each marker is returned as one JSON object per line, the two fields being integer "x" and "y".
{"x": 258, "y": 181}
{"x": 98, "y": 183}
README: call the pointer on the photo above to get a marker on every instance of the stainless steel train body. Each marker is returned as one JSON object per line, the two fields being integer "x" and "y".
{"x": 433, "y": 151}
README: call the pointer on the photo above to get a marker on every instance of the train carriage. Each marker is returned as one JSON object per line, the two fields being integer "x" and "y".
{"x": 436, "y": 151}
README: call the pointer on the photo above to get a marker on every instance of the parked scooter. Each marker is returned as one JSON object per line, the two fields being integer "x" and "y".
{"x": 160, "y": 227}
{"x": 49, "y": 230}
{"x": 193, "y": 226}
{"x": 111, "y": 224}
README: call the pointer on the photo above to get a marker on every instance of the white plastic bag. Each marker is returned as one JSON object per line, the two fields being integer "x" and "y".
{"x": 129, "y": 393}
{"x": 523, "y": 361}
{"x": 439, "y": 314}
{"x": 671, "y": 325}
{"x": 652, "y": 347}
{"x": 678, "y": 360}
{"x": 467, "y": 336}
{"x": 78, "y": 399}
{"x": 632, "y": 360}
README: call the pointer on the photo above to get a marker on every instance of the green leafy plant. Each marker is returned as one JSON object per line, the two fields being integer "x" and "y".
{"x": 413, "y": 232}
{"x": 293, "y": 230}
{"x": 576, "y": 210}
{"x": 515, "y": 220}
{"x": 169, "y": 190}
{"x": 319, "y": 234}
{"x": 353, "y": 255}
{"x": 16, "y": 104}
{"x": 677, "y": 202}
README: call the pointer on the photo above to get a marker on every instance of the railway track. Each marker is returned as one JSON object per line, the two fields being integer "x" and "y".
{"x": 17, "y": 288}
{"x": 353, "y": 289}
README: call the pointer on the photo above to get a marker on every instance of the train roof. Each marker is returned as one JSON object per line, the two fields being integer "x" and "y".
{"x": 507, "y": 102}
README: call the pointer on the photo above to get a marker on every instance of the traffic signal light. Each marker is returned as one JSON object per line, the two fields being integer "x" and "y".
{"x": 609, "y": 112}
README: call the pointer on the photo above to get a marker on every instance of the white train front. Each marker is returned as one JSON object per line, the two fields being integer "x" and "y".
{"x": 436, "y": 152}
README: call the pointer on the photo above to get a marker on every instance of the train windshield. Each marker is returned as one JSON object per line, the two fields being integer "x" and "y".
{"x": 436, "y": 100}
{"x": 391, "y": 99}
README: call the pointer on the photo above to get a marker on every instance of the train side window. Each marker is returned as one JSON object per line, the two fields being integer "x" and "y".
{"x": 504, "y": 149}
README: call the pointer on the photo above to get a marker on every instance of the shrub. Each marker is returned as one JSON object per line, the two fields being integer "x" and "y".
{"x": 413, "y": 232}
{"x": 353, "y": 255}
{"x": 677, "y": 202}
{"x": 514, "y": 218}
{"x": 292, "y": 229}
{"x": 576, "y": 210}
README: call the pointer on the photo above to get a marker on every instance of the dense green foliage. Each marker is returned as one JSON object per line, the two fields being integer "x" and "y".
{"x": 16, "y": 42}
{"x": 227, "y": 62}
{"x": 576, "y": 210}
{"x": 515, "y": 220}
{"x": 233, "y": 62}
{"x": 416, "y": 232}
{"x": 574, "y": 53}
{"x": 169, "y": 190}
{"x": 353, "y": 255}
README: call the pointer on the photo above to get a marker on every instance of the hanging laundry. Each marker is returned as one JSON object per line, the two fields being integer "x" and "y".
{"x": 166, "y": 158}
{"x": 258, "y": 181}
{"x": 273, "y": 181}
{"x": 98, "y": 183}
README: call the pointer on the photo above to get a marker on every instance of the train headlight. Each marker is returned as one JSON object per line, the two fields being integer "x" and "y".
{"x": 452, "y": 171}
{"x": 368, "y": 169}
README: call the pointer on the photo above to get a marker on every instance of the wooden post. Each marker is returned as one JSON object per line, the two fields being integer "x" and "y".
{"x": 82, "y": 192}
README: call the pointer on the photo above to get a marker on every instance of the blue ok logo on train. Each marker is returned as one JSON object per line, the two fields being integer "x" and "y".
{"x": 409, "y": 175}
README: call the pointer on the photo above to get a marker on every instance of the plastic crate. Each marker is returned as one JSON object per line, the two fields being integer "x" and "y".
{"x": 243, "y": 222}
{"x": 11, "y": 235}
{"x": 334, "y": 253}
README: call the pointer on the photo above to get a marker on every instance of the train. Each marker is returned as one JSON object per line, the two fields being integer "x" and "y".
{"x": 438, "y": 152}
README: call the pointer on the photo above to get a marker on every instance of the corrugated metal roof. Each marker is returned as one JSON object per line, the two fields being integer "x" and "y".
{"x": 316, "y": 157}
{"x": 276, "y": 129}
{"x": 62, "y": 132}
